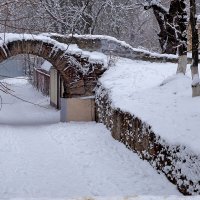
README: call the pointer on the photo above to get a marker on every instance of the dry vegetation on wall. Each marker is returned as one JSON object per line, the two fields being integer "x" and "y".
{"x": 178, "y": 163}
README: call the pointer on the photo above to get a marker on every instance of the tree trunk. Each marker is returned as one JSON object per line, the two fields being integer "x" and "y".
{"x": 182, "y": 64}
{"x": 172, "y": 25}
{"x": 182, "y": 36}
{"x": 195, "y": 54}
{"x": 167, "y": 36}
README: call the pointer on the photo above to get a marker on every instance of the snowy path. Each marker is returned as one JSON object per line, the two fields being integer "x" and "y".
{"x": 40, "y": 157}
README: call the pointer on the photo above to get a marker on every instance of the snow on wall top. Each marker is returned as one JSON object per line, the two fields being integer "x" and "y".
{"x": 112, "y": 39}
{"x": 71, "y": 49}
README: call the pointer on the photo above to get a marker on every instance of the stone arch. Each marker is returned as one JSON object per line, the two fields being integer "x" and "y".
{"x": 78, "y": 72}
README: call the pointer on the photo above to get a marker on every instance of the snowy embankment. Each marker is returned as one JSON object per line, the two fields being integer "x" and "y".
{"x": 143, "y": 89}
{"x": 42, "y": 158}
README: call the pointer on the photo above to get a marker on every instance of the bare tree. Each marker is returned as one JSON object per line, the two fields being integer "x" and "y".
{"x": 125, "y": 20}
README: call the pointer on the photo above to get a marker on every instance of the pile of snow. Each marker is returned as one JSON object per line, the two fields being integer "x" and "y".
{"x": 40, "y": 157}
{"x": 137, "y": 87}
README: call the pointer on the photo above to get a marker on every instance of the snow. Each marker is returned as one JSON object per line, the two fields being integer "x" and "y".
{"x": 128, "y": 76}
{"x": 195, "y": 80}
{"x": 46, "y": 65}
{"x": 43, "y": 158}
{"x": 143, "y": 89}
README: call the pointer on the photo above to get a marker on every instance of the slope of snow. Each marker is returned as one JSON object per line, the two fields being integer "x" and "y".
{"x": 42, "y": 158}
{"x": 138, "y": 87}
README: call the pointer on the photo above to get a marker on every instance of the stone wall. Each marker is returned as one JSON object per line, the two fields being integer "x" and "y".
{"x": 180, "y": 165}
{"x": 111, "y": 46}
{"x": 81, "y": 85}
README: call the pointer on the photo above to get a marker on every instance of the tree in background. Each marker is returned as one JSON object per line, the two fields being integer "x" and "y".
{"x": 181, "y": 32}
{"x": 172, "y": 24}
{"x": 173, "y": 29}
{"x": 125, "y": 20}
{"x": 195, "y": 53}
{"x": 80, "y": 16}
{"x": 23, "y": 16}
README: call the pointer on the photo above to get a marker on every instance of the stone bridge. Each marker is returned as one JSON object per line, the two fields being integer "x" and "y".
{"x": 79, "y": 69}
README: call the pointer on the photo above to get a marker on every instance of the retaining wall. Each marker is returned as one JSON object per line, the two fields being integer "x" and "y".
{"x": 180, "y": 165}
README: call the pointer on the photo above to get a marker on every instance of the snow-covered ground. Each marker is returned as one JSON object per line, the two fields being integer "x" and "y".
{"x": 143, "y": 89}
{"x": 42, "y": 158}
